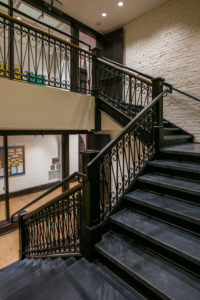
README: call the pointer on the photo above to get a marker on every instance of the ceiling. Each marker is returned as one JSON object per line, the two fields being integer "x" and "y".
{"x": 89, "y": 11}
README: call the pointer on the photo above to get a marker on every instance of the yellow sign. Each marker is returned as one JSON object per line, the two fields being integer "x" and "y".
{"x": 4, "y": 71}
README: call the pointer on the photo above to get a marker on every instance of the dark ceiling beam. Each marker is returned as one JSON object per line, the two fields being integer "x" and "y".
{"x": 41, "y": 132}
{"x": 56, "y": 13}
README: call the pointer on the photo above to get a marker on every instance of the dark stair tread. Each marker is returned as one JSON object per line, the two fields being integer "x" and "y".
{"x": 158, "y": 275}
{"x": 178, "y": 240}
{"x": 40, "y": 277}
{"x": 171, "y": 129}
{"x": 16, "y": 265}
{"x": 186, "y": 148}
{"x": 81, "y": 281}
{"x": 176, "y": 137}
{"x": 10, "y": 286}
{"x": 117, "y": 282}
{"x": 171, "y": 182}
{"x": 171, "y": 164}
{"x": 20, "y": 271}
{"x": 174, "y": 206}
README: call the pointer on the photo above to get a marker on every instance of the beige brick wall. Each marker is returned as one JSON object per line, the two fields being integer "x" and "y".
{"x": 166, "y": 42}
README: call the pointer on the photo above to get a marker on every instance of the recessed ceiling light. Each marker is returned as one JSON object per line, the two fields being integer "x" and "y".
{"x": 104, "y": 14}
{"x": 120, "y": 3}
{"x": 18, "y": 18}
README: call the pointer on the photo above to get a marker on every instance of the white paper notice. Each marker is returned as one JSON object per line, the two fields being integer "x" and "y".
{"x": 13, "y": 170}
{"x": 20, "y": 169}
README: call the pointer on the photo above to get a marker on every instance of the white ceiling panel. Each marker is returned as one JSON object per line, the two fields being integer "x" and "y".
{"x": 89, "y": 11}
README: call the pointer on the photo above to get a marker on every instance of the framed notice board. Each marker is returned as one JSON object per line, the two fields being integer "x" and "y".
{"x": 16, "y": 161}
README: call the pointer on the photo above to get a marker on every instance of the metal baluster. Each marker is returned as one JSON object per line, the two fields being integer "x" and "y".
{"x": 60, "y": 65}
{"x": 28, "y": 54}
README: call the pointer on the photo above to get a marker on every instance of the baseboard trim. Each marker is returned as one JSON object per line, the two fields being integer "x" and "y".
{"x": 9, "y": 227}
{"x": 27, "y": 191}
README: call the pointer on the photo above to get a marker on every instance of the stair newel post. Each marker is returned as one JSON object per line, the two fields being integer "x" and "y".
{"x": 96, "y": 54}
{"x": 90, "y": 206}
{"x": 22, "y": 235}
{"x": 95, "y": 87}
{"x": 157, "y": 89}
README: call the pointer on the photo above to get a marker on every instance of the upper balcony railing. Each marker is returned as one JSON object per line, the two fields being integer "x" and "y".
{"x": 32, "y": 55}
{"x": 124, "y": 89}
{"x": 44, "y": 26}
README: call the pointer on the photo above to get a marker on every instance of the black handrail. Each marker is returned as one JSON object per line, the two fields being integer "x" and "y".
{"x": 167, "y": 84}
{"x": 129, "y": 72}
{"x": 132, "y": 123}
{"x": 56, "y": 186}
{"x": 130, "y": 69}
{"x": 44, "y": 24}
{"x": 186, "y": 94}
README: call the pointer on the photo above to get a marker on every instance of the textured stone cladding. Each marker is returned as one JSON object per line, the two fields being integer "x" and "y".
{"x": 166, "y": 42}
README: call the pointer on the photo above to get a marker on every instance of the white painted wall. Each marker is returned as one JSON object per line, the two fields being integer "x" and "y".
{"x": 39, "y": 151}
{"x": 73, "y": 153}
{"x": 108, "y": 126}
{"x": 27, "y": 106}
{"x": 166, "y": 42}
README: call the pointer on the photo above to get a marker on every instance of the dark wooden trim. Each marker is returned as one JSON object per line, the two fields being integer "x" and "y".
{"x": 28, "y": 191}
{"x": 125, "y": 130}
{"x": 57, "y": 198}
{"x": 114, "y": 114}
{"x": 6, "y": 184}
{"x": 113, "y": 45}
{"x": 11, "y": 42}
{"x": 125, "y": 71}
{"x": 41, "y": 132}
{"x": 8, "y": 227}
{"x": 65, "y": 159}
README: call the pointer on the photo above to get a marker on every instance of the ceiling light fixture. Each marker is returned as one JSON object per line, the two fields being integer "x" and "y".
{"x": 104, "y": 14}
{"x": 18, "y": 18}
{"x": 120, "y": 3}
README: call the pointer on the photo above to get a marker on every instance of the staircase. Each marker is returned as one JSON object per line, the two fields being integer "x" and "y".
{"x": 52, "y": 279}
{"x": 153, "y": 242}
{"x": 174, "y": 135}
{"x": 136, "y": 216}
{"x": 150, "y": 248}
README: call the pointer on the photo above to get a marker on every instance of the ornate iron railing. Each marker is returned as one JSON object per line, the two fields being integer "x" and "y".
{"x": 117, "y": 166}
{"x": 126, "y": 90}
{"x": 64, "y": 183}
{"x": 166, "y": 84}
{"x": 48, "y": 27}
{"x": 31, "y": 55}
{"x": 54, "y": 228}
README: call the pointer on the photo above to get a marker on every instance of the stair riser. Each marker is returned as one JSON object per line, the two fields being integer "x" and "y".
{"x": 174, "y": 172}
{"x": 167, "y": 124}
{"x": 159, "y": 249}
{"x": 133, "y": 282}
{"x": 179, "y": 157}
{"x": 176, "y": 142}
{"x": 172, "y": 132}
{"x": 169, "y": 191}
{"x": 164, "y": 216}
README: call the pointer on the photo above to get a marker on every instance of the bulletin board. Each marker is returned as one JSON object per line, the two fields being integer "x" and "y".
{"x": 16, "y": 161}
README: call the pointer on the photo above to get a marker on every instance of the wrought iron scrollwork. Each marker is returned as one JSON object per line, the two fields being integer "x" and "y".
{"x": 43, "y": 60}
{"x": 55, "y": 229}
{"x": 126, "y": 92}
{"x": 122, "y": 163}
